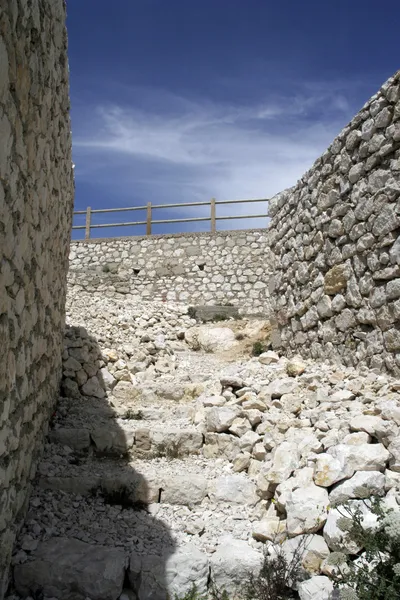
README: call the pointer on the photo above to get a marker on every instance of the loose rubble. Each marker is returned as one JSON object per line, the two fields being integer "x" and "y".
{"x": 166, "y": 467}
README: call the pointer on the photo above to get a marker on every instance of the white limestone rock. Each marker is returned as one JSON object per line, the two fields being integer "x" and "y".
{"x": 369, "y": 424}
{"x": 285, "y": 461}
{"x": 172, "y": 574}
{"x": 307, "y": 509}
{"x": 295, "y": 367}
{"x": 187, "y": 489}
{"x": 362, "y": 457}
{"x": 241, "y": 462}
{"x": 249, "y": 440}
{"x": 236, "y": 489}
{"x": 94, "y": 388}
{"x": 318, "y": 587}
{"x": 337, "y": 539}
{"x": 109, "y": 380}
{"x": 219, "y": 419}
{"x": 372, "y": 482}
{"x": 268, "y": 358}
{"x": 278, "y": 387}
{"x": 269, "y": 529}
{"x": 328, "y": 470}
{"x": 394, "y": 460}
{"x": 210, "y": 339}
{"x": 231, "y": 564}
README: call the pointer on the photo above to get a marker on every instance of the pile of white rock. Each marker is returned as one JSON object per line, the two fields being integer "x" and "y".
{"x": 311, "y": 436}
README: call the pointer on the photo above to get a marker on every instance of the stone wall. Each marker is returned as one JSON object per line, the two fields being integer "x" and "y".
{"x": 335, "y": 237}
{"x": 193, "y": 268}
{"x": 36, "y": 198}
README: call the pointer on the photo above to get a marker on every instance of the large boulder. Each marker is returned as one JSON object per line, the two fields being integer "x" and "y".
{"x": 169, "y": 575}
{"x": 184, "y": 489}
{"x": 232, "y": 563}
{"x": 286, "y": 460}
{"x": 372, "y": 482}
{"x": 69, "y": 569}
{"x": 328, "y": 470}
{"x": 362, "y": 457}
{"x": 236, "y": 489}
{"x": 221, "y": 444}
{"x": 210, "y": 339}
{"x": 220, "y": 418}
{"x": 307, "y": 509}
{"x": 93, "y": 387}
{"x": 179, "y": 441}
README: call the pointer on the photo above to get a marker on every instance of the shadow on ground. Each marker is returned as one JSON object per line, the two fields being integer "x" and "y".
{"x": 89, "y": 531}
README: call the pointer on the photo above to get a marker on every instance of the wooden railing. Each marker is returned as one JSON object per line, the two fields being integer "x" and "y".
{"x": 213, "y": 218}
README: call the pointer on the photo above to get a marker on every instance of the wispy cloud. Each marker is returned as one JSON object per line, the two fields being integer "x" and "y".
{"x": 194, "y": 150}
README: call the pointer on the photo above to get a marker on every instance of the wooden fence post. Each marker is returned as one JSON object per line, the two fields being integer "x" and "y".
{"x": 148, "y": 223}
{"x": 88, "y": 220}
{"x": 213, "y": 220}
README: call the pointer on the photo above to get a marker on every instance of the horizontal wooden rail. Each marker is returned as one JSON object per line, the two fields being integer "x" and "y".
{"x": 149, "y": 207}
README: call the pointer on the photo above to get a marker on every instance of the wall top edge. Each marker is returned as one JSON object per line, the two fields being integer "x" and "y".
{"x": 195, "y": 234}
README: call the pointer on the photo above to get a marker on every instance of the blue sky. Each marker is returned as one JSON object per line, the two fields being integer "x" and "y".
{"x": 180, "y": 101}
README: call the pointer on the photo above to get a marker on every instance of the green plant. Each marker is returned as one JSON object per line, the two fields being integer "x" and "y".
{"x": 375, "y": 574}
{"x": 192, "y": 594}
{"x": 133, "y": 415}
{"x": 258, "y": 348}
{"x": 213, "y": 594}
{"x": 170, "y": 451}
{"x": 277, "y": 576}
{"x": 220, "y": 317}
{"x": 192, "y": 312}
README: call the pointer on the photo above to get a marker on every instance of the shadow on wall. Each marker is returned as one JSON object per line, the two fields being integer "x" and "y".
{"x": 89, "y": 531}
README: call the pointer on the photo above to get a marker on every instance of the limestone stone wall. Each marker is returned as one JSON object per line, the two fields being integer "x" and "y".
{"x": 36, "y": 198}
{"x": 335, "y": 237}
{"x": 196, "y": 268}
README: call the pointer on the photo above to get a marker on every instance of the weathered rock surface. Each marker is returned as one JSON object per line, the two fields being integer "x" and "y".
{"x": 232, "y": 562}
{"x": 72, "y": 570}
{"x": 317, "y": 587}
{"x": 172, "y": 574}
{"x": 210, "y": 339}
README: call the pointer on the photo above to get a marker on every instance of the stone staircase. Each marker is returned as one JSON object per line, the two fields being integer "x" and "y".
{"x": 166, "y": 467}
{"x": 135, "y": 494}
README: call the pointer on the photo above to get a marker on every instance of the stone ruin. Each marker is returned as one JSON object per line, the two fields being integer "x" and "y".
{"x": 141, "y": 452}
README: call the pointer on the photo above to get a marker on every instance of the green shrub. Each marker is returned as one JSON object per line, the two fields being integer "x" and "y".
{"x": 375, "y": 575}
{"x": 220, "y": 317}
{"x": 170, "y": 451}
{"x": 259, "y": 348}
{"x": 192, "y": 312}
{"x": 277, "y": 576}
{"x": 133, "y": 415}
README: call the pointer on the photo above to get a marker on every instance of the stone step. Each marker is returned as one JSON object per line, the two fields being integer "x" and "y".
{"x": 149, "y": 439}
{"x": 68, "y": 568}
{"x": 136, "y": 438}
{"x": 142, "y": 482}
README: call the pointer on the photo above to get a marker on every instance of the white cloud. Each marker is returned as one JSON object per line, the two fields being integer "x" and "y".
{"x": 199, "y": 150}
